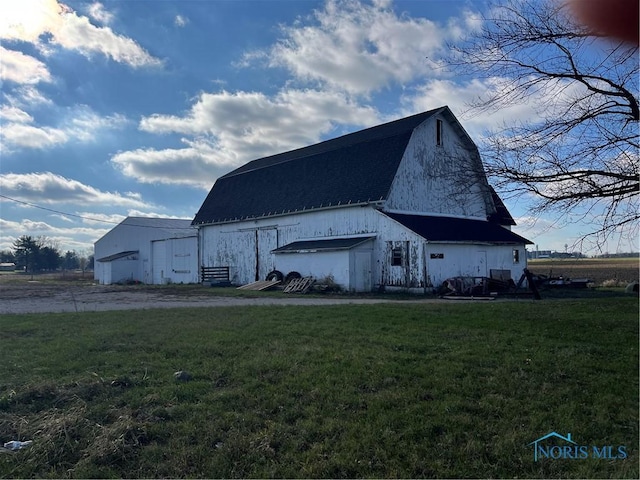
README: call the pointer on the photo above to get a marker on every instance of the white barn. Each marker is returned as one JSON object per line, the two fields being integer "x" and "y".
{"x": 401, "y": 205}
{"x": 148, "y": 250}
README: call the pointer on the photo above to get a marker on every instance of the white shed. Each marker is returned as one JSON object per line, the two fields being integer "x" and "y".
{"x": 148, "y": 250}
{"x": 401, "y": 205}
{"x": 346, "y": 261}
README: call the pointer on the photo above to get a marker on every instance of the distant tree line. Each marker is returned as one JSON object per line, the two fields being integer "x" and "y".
{"x": 553, "y": 254}
{"x": 618, "y": 255}
{"x": 40, "y": 254}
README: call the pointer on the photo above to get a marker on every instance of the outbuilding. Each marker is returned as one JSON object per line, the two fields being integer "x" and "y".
{"x": 148, "y": 250}
{"x": 403, "y": 205}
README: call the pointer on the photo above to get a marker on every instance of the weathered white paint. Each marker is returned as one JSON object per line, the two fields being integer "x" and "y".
{"x": 234, "y": 245}
{"x": 350, "y": 268}
{"x": 446, "y": 179}
{"x": 237, "y": 244}
{"x": 360, "y": 270}
{"x": 320, "y": 265}
{"x": 472, "y": 261}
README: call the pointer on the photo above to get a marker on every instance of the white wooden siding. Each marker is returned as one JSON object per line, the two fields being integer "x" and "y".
{"x": 350, "y": 268}
{"x": 472, "y": 261}
{"x": 446, "y": 180}
{"x": 234, "y": 245}
{"x": 442, "y": 180}
{"x": 334, "y": 264}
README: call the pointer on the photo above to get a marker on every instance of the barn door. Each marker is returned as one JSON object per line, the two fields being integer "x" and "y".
{"x": 481, "y": 264}
{"x": 158, "y": 261}
{"x": 266, "y": 240}
{"x": 362, "y": 279}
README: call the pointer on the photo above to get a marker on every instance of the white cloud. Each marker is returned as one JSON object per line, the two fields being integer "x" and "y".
{"x": 78, "y": 238}
{"x": 73, "y": 233}
{"x": 15, "y": 114}
{"x": 29, "y": 136}
{"x": 458, "y": 96}
{"x": 76, "y": 33}
{"x": 49, "y": 188}
{"x": 92, "y": 218}
{"x": 98, "y": 13}
{"x": 180, "y": 21}
{"x": 27, "y": 95}
{"x": 290, "y": 118}
{"x": 30, "y": 20}
{"x": 232, "y": 128}
{"x": 79, "y": 123}
{"x": 184, "y": 166}
{"x": 20, "y": 68}
{"x": 83, "y": 124}
{"x": 360, "y": 47}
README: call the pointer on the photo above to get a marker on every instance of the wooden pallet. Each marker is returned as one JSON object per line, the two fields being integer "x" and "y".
{"x": 259, "y": 285}
{"x": 299, "y": 285}
{"x": 214, "y": 274}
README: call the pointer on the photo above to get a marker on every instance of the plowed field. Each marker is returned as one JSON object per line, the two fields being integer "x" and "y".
{"x": 601, "y": 270}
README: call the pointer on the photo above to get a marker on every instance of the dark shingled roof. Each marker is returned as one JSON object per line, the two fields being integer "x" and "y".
{"x": 342, "y": 243}
{"x": 355, "y": 168}
{"x": 449, "y": 229}
{"x": 502, "y": 215}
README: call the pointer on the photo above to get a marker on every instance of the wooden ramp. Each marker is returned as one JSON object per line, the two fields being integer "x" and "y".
{"x": 299, "y": 285}
{"x": 259, "y": 285}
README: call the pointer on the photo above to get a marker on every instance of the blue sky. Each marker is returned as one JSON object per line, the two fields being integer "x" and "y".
{"x": 129, "y": 107}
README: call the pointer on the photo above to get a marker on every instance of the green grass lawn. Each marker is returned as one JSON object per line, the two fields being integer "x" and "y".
{"x": 429, "y": 390}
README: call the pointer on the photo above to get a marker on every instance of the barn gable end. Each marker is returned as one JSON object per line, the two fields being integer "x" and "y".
{"x": 354, "y": 169}
{"x": 441, "y": 173}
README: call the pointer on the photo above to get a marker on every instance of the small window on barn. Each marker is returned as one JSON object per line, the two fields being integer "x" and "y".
{"x": 439, "y": 132}
{"x": 516, "y": 255}
{"x": 396, "y": 257}
{"x": 437, "y": 256}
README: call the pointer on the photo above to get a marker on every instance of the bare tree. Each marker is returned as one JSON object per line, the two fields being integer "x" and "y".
{"x": 579, "y": 155}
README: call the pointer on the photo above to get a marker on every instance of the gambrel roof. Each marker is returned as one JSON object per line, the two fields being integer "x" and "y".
{"x": 353, "y": 169}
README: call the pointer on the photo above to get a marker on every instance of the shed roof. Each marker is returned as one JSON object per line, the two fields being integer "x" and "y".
{"x": 459, "y": 230}
{"x": 117, "y": 256}
{"x": 341, "y": 243}
{"x": 352, "y": 169}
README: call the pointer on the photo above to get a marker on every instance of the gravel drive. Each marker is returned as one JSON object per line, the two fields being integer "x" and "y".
{"x": 46, "y": 297}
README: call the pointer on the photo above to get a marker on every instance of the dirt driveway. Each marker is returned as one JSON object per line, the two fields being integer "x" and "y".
{"x": 46, "y": 296}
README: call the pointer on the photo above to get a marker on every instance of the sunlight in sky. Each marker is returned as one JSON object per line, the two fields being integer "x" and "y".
{"x": 118, "y": 108}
